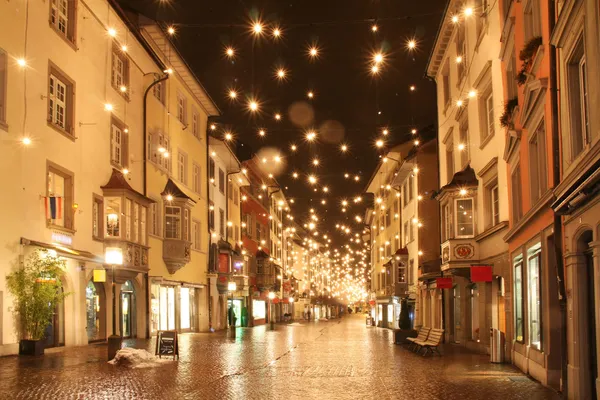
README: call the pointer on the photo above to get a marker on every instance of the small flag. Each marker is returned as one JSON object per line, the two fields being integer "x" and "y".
{"x": 53, "y": 207}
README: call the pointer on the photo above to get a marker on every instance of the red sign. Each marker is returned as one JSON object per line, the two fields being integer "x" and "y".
{"x": 286, "y": 300}
{"x": 275, "y": 300}
{"x": 223, "y": 263}
{"x": 443, "y": 283}
{"x": 372, "y": 302}
{"x": 481, "y": 273}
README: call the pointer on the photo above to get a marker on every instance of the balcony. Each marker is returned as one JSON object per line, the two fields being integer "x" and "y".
{"x": 459, "y": 253}
{"x": 135, "y": 259}
{"x": 176, "y": 253}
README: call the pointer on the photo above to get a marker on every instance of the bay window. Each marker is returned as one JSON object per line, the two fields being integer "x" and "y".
{"x": 128, "y": 206}
{"x": 465, "y": 225}
{"x": 136, "y": 222}
{"x": 112, "y": 215}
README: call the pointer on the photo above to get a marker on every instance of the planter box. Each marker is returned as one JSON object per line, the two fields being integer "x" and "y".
{"x": 401, "y": 335}
{"x": 31, "y": 348}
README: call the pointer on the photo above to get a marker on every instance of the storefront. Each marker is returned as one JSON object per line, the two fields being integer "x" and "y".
{"x": 173, "y": 307}
{"x": 95, "y": 305}
{"x": 259, "y": 311}
{"x": 238, "y": 306}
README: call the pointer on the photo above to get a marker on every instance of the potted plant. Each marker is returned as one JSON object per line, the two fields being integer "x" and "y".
{"x": 36, "y": 290}
{"x": 405, "y": 331}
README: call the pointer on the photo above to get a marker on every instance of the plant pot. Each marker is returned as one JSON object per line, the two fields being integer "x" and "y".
{"x": 400, "y": 335}
{"x": 31, "y": 348}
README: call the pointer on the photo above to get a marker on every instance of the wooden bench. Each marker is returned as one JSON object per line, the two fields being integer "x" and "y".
{"x": 422, "y": 336}
{"x": 431, "y": 344}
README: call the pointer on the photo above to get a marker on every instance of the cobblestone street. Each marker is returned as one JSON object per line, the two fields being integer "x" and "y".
{"x": 340, "y": 359}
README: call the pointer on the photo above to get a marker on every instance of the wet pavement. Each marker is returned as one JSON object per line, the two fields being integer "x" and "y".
{"x": 337, "y": 359}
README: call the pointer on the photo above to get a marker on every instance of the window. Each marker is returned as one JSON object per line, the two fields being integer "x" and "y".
{"x": 159, "y": 92}
{"x": 221, "y": 181}
{"x": 172, "y": 222}
{"x": 196, "y": 179}
{"x": 446, "y": 82}
{"x": 465, "y": 226}
{"x": 405, "y": 192}
{"x": 578, "y": 99}
{"x": 120, "y": 71}
{"x": 461, "y": 50}
{"x": 182, "y": 167}
{"x": 411, "y": 187}
{"x": 196, "y": 235}
{"x": 3, "y": 84}
{"x": 495, "y": 205}
{"x": 486, "y": 115}
{"x": 411, "y": 271}
{"x": 112, "y": 216}
{"x": 128, "y": 211}
{"x": 97, "y": 210}
{"x": 211, "y": 217}
{"x": 236, "y": 196}
{"x": 159, "y": 150}
{"x": 537, "y": 163}
{"x": 60, "y": 187}
{"x": 518, "y": 278}
{"x": 388, "y": 218}
{"x": 143, "y": 232}
{"x": 221, "y": 222}
{"x": 447, "y": 221}
{"x": 449, "y": 161}
{"x": 60, "y": 101}
{"x": 406, "y": 234}
{"x": 181, "y": 108}
{"x": 511, "y": 78}
{"x": 63, "y": 18}
{"x": 463, "y": 146}
{"x": 186, "y": 224}
{"x": 411, "y": 227}
{"x": 118, "y": 144}
{"x": 237, "y": 233}
{"x": 136, "y": 222}
{"x": 211, "y": 171}
{"x": 154, "y": 218}
{"x": 401, "y": 272}
{"x": 534, "y": 298}
{"x": 531, "y": 19}
{"x": 195, "y": 126}
{"x": 515, "y": 183}
{"x": 230, "y": 190}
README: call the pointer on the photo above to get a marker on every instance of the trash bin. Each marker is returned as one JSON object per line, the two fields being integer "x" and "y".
{"x": 496, "y": 346}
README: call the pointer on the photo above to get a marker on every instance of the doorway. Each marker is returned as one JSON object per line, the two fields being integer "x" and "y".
{"x": 589, "y": 358}
{"x": 456, "y": 326}
{"x": 237, "y": 309}
{"x": 128, "y": 310}
{"x": 54, "y": 335}
{"x": 95, "y": 311}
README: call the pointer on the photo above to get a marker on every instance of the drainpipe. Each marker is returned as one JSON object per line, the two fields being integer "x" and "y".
{"x": 558, "y": 233}
{"x": 145, "y": 173}
{"x": 437, "y": 152}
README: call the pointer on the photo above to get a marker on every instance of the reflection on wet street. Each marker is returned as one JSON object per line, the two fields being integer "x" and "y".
{"x": 341, "y": 358}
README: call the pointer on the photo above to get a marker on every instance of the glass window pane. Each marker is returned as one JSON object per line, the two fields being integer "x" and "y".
{"x": 112, "y": 212}
{"x": 518, "y": 300}
{"x": 185, "y": 308}
{"x": 534, "y": 297}
{"x": 464, "y": 217}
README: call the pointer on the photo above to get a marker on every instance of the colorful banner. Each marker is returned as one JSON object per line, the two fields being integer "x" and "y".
{"x": 443, "y": 283}
{"x": 481, "y": 273}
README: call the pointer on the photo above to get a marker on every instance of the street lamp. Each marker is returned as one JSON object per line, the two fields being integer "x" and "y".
{"x": 231, "y": 287}
{"x": 114, "y": 256}
{"x": 271, "y": 322}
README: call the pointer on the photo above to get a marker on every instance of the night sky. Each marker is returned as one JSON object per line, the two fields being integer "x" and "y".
{"x": 347, "y": 96}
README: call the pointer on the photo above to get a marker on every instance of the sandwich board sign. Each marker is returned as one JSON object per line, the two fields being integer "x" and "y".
{"x": 167, "y": 344}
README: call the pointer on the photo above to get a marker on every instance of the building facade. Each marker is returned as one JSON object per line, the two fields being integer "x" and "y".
{"x": 473, "y": 208}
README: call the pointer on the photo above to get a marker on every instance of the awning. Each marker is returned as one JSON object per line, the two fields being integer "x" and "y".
{"x": 65, "y": 251}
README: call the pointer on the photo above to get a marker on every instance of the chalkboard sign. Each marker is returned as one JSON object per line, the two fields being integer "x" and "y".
{"x": 167, "y": 344}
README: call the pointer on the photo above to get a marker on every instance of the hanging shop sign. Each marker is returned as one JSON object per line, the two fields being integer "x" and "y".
{"x": 167, "y": 344}
{"x": 481, "y": 273}
{"x": 99, "y": 275}
{"x": 443, "y": 283}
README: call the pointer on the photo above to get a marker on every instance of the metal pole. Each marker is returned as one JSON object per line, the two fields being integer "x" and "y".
{"x": 114, "y": 303}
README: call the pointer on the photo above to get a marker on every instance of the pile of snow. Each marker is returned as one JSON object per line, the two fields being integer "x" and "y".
{"x": 137, "y": 358}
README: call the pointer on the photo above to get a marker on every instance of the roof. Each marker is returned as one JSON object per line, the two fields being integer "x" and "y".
{"x": 462, "y": 179}
{"x": 118, "y": 181}
{"x": 442, "y": 40}
{"x": 162, "y": 45}
{"x": 172, "y": 189}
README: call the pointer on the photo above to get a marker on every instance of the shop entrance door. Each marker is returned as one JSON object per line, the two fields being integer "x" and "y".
{"x": 237, "y": 309}
{"x": 127, "y": 310}
{"x": 591, "y": 317}
{"x": 54, "y": 335}
{"x": 95, "y": 312}
{"x": 457, "y": 329}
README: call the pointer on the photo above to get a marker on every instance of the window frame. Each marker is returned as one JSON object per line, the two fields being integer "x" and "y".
{"x": 97, "y": 217}
{"x": 535, "y": 253}
{"x": 123, "y": 147}
{"x": 70, "y": 32}
{"x": 577, "y": 101}
{"x": 518, "y": 287}
{"x": 182, "y": 167}
{"x": 538, "y": 163}
{"x": 118, "y": 55}
{"x": 222, "y": 222}
{"x": 196, "y": 178}
{"x": 516, "y": 194}
{"x": 181, "y": 108}
{"x": 178, "y": 218}
{"x": 221, "y": 181}
{"x": 67, "y": 129}
{"x": 196, "y": 235}
{"x": 473, "y": 216}
{"x": 154, "y": 228}
{"x": 68, "y": 196}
